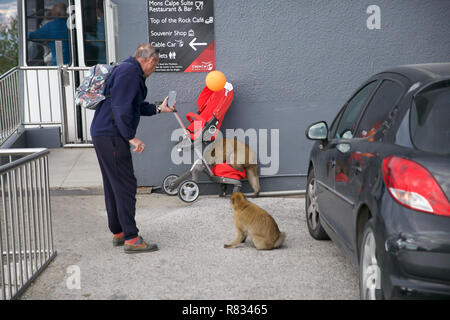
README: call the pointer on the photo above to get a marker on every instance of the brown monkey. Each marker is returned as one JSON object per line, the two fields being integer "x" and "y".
{"x": 238, "y": 155}
{"x": 255, "y": 222}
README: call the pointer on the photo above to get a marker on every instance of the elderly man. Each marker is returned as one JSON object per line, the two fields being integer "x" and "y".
{"x": 113, "y": 129}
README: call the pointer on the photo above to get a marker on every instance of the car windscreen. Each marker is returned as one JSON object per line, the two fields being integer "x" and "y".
{"x": 430, "y": 119}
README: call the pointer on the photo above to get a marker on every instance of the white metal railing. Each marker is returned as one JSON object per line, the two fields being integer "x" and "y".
{"x": 26, "y": 233}
{"x": 44, "y": 96}
{"x": 10, "y": 108}
{"x": 49, "y": 99}
{"x": 41, "y": 96}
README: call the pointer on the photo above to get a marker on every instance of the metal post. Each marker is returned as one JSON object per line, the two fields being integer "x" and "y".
{"x": 14, "y": 208}
{"x": 25, "y": 73}
{"x": 50, "y": 95}
{"x": 27, "y": 199}
{"x": 39, "y": 96}
{"x": 62, "y": 80}
{"x": 49, "y": 213}
{"x": 2, "y": 271}
{"x": 59, "y": 53}
{"x": 23, "y": 230}
{"x": 3, "y": 133}
{"x": 5, "y": 216}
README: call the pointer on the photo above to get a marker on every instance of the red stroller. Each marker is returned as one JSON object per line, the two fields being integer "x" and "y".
{"x": 203, "y": 128}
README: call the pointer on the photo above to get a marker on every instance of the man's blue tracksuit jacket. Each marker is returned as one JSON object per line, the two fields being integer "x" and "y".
{"x": 115, "y": 123}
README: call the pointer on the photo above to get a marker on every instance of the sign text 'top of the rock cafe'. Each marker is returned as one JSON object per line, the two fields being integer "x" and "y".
{"x": 183, "y": 31}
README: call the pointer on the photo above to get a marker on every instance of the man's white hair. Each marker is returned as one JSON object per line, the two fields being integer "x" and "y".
{"x": 145, "y": 51}
{"x": 59, "y": 9}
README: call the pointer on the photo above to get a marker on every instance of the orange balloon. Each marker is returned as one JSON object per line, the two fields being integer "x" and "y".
{"x": 215, "y": 80}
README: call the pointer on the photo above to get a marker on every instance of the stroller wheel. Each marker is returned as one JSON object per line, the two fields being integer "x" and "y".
{"x": 166, "y": 182}
{"x": 188, "y": 191}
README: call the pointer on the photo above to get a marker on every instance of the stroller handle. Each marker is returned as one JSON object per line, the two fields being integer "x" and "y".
{"x": 180, "y": 122}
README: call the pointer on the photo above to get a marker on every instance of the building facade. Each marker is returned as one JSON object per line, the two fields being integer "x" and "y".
{"x": 291, "y": 63}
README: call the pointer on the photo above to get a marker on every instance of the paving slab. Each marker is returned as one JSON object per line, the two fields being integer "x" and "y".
{"x": 74, "y": 168}
{"x": 191, "y": 262}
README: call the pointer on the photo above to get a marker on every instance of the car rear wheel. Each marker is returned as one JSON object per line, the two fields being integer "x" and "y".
{"x": 369, "y": 269}
{"x": 311, "y": 208}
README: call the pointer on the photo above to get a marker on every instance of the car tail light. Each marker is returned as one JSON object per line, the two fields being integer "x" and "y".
{"x": 414, "y": 187}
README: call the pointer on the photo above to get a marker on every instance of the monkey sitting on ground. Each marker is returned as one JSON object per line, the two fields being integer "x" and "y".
{"x": 239, "y": 156}
{"x": 251, "y": 220}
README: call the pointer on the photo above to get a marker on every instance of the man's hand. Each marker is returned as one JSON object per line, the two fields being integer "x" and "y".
{"x": 165, "y": 108}
{"x": 139, "y": 146}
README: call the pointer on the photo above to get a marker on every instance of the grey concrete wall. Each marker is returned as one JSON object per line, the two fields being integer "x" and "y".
{"x": 43, "y": 137}
{"x": 49, "y": 137}
{"x": 291, "y": 63}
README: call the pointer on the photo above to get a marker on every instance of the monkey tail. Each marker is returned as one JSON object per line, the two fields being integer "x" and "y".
{"x": 280, "y": 240}
{"x": 253, "y": 179}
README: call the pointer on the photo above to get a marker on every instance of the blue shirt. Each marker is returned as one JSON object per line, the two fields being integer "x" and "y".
{"x": 119, "y": 115}
{"x": 56, "y": 29}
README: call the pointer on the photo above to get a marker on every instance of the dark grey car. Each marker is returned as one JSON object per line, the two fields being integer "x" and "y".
{"x": 379, "y": 182}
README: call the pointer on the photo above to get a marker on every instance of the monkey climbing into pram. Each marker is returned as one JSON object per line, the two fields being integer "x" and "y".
{"x": 225, "y": 161}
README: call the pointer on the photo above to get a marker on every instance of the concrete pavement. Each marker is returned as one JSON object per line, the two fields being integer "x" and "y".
{"x": 191, "y": 263}
{"x": 74, "y": 168}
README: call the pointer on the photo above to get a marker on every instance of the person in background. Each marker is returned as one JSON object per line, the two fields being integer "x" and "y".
{"x": 113, "y": 129}
{"x": 55, "y": 30}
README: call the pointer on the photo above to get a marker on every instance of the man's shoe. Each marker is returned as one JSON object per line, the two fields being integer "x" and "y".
{"x": 118, "y": 241}
{"x": 140, "y": 246}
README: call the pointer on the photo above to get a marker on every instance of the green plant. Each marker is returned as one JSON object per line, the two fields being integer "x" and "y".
{"x": 9, "y": 45}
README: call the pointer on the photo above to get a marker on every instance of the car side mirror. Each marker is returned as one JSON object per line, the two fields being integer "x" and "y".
{"x": 317, "y": 131}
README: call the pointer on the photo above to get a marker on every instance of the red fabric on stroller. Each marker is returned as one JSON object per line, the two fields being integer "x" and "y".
{"x": 226, "y": 171}
{"x": 210, "y": 104}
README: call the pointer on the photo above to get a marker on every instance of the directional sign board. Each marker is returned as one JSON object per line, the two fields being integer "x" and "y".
{"x": 183, "y": 31}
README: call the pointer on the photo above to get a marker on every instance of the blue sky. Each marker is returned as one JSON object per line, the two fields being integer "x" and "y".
{"x": 7, "y": 8}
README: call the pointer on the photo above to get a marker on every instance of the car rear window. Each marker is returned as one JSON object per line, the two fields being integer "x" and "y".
{"x": 430, "y": 119}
